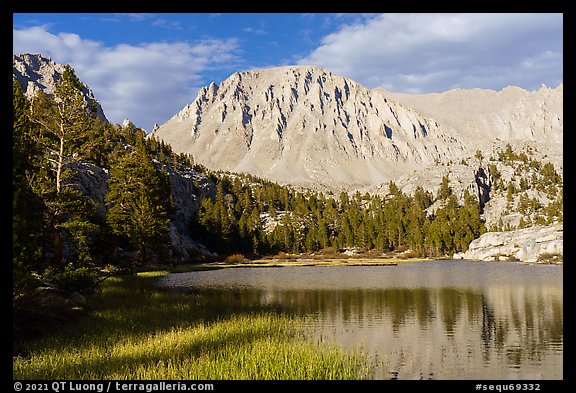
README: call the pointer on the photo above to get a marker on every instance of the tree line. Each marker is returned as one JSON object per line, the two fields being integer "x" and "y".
{"x": 255, "y": 216}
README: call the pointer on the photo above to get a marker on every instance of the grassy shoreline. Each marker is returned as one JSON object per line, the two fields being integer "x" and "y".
{"x": 306, "y": 260}
{"x": 138, "y": 332}
{"x": 298, "y": 261}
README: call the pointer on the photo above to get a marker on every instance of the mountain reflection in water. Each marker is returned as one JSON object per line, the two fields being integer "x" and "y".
{"x": 508, "y": 327}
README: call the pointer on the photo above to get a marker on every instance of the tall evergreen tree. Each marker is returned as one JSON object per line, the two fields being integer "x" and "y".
{"x": 66, "y": 134}
{"x": 137, "y": 205}
{"x": 444, "y": 191}
{"x": 65, "y": 121}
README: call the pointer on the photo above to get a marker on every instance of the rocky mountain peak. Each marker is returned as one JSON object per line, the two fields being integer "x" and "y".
{"x": 127, "y": 123}
{"x": 36, "y": 72}
{"x": 306, "y": 126}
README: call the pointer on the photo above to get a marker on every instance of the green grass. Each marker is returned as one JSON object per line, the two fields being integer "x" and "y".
{"x": 137, "y": 332}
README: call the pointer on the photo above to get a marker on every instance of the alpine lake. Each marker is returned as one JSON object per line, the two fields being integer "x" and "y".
{"x": 444, "y": 319}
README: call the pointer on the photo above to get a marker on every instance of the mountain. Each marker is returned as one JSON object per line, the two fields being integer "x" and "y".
{"x": 36, "y": 72}
{"x": 510, "y": 114}
{"x": 305, "y": 126}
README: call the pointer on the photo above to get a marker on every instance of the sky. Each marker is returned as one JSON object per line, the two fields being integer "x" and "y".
{"x": 147, "y": 67}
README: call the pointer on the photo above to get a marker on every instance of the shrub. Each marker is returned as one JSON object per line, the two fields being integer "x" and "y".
{"x": 281, "y": 255}
{"x": 72, "y": 279}
{"x": 236, "y": 258}
{"x": 328, "y": 251}
{"x": 548, "y": 257}
{"x": 401, "y": 248}
{"x": 410, "y": 254}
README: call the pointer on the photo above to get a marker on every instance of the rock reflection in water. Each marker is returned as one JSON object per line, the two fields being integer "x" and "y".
{"x": 450, "y": 333}
{"x": 509, "y": 330}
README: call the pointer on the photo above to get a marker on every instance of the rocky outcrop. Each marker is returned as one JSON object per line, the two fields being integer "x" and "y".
{"x": 532, "y": 244}
{"x": 92, "y": 181}
{"x": 127, "y": 123}
{"x": 37, "y": 72}
{"x": 187, "y": 186}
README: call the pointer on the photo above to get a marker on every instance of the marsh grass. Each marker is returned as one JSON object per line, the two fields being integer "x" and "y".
{"x": 137, "y": 332}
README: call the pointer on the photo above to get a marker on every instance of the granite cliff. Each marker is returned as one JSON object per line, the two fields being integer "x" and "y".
{"x": 305, "y": 126}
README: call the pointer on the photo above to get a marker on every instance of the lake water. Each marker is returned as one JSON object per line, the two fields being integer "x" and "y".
{"x": 421, "y": 320}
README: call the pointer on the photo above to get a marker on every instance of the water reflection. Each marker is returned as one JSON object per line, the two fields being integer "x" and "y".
{"x": 512, "y": 329}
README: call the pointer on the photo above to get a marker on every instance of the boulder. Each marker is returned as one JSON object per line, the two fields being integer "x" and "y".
{"x": 528, "y": 245}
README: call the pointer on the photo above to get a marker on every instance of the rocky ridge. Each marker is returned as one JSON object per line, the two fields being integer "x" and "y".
{"x": 36, "y": 72}
{"x": 509, "y": 114}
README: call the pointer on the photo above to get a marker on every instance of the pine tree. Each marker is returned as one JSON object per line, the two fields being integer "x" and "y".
{"x": 433, "y": 240}
{"x": 417, "y": 222}
{"x": 523, "y": 203}
{"x": 137, "y": 204}
{"x": 66, "y": 134}
{"x": 65, "y": 121}
{"x": 549, "y": 175}
{"x": 444, "y": 191}
{"x": 322, "y": 237}
{"x": 479, "y": 156}
{"x": 469, "y": 222}
{"x": 510, "y": 191}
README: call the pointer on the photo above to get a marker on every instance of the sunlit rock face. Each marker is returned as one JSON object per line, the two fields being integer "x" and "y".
{"x": 306, "y": 126}
{"x": 528, "y": 244}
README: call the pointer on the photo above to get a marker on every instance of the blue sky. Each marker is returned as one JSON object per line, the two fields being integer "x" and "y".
{"x": 146, "y": 67}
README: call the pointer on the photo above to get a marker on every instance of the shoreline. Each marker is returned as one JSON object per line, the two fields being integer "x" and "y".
{"x": 300, "y": 262}
{"x": 326, "y": 262}
{"x": 163, "y": 335}
{"x": 331, "y": 261}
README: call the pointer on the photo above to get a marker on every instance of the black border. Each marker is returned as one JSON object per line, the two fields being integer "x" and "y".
{"x": 321, "y": 6}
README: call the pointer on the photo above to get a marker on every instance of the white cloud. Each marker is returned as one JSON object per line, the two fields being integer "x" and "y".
{"x": 254, "y": 30}
{"x": 136, "y": 17}
{"x": 147, "y": 83}
{"x": 437, "y": 52}
{"x": 161, "y": 22}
